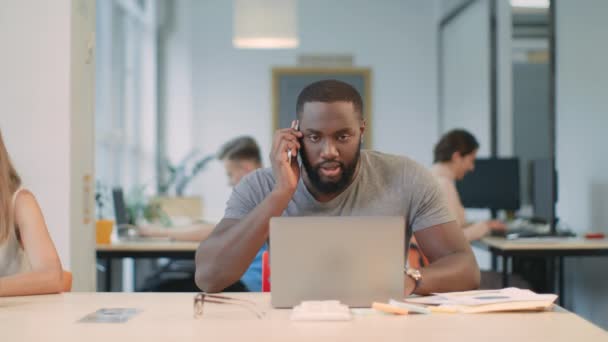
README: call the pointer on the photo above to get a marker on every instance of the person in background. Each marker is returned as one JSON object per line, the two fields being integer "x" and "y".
{"x": 29, "y": 264}
{"x": 240, "y": 156}
{"x": 454, "y": 157}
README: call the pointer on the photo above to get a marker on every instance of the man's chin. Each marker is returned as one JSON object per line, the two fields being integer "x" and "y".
{"x": 330, "y": 187}
{"x": 330, "y": 181}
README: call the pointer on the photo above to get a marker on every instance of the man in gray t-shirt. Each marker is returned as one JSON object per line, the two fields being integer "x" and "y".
{"x": 337, "y": 178}
{"x": 386, "y": 185}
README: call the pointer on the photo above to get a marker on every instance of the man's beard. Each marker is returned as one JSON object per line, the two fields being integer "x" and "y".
{"x": 331, "y": 187}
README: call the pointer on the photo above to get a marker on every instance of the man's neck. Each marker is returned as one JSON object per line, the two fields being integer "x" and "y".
{"x": 322, "y": 196}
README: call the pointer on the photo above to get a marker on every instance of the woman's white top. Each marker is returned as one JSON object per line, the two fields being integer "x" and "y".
{"x": 13, "y": 259}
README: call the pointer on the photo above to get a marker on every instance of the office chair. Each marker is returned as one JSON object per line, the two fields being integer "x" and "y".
{"x": 265, "y": 272}
{"x": 67, "y": 281}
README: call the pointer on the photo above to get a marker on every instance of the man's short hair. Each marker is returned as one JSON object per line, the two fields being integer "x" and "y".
{"x": 457, "y": 140}
{"x": 330, "y": 91}
{"x": 240, "y": 148}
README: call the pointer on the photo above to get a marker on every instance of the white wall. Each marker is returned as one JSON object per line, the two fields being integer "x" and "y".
{"x": 36, "y": 118}
{"x": 35, "y": 102}
{"x": 232, "y": 88}
{"x": 178, "y": 90}
{"x": 582, "y": 161}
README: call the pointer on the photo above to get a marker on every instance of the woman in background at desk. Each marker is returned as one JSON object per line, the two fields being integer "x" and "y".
{"x": 29, "y": 263}
{"x": 454, "y": 157}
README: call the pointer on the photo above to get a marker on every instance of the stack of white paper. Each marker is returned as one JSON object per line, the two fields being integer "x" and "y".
{"x": 508, "y": 299}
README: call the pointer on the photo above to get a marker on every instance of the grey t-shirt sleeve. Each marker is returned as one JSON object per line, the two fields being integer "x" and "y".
{"x": 246, "y": 195}
{"x": 428, "y": 205}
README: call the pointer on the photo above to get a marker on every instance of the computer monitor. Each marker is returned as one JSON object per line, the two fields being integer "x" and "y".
{"x": 544, "y": 189}
{"x": 494, "y": 184}
{"x": 120, "y": 209}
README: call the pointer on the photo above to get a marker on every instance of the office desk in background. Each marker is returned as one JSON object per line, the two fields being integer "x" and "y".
{"x": 554, "y": 249}
{"x": 169, "y": 317}
{"x": 143, "y": 248}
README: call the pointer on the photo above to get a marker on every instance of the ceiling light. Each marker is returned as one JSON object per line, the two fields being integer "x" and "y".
{"x": 265, "y": 24}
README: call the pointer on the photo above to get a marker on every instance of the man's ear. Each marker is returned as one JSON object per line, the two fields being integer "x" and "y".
{"x": 362, "y": 127}
{"x": 455, "y": 156}
{"x": 247, "y": 165}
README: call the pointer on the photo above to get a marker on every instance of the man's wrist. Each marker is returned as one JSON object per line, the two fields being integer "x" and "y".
{"x": 415, "y": 277}
{"x": 282, "y": 196}
{"x": 410, "y": 285}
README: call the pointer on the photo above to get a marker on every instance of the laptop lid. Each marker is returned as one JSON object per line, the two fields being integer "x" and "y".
{"x": 356, "y": 260}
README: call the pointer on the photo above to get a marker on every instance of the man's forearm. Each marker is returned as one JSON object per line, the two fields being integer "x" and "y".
{"x": 455, "y": 272}
{"x": 222, "y": 258}
{"x": 197, "y": 233}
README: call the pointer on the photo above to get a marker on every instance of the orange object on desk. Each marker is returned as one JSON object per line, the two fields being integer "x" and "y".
{"x": 389, "y": 308}
{"x": 104, "y": 231}
{"x": 594, "y": 235}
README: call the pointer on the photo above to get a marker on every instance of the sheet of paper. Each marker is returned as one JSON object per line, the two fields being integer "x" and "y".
{"x": 485, "y": 297}
{"x": 428, "y": 300}
{"x": 410, "y": 307}
{"x": 508, "y": 295}
{"x": 110, "y": 315}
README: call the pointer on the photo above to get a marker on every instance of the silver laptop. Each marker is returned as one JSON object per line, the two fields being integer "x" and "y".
{"x": 356, "y": 260}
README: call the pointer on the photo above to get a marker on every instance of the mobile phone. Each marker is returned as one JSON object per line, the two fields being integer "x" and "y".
{"x": 296, "y": 126}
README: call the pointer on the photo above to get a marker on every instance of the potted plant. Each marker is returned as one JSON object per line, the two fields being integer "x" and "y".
{"x": 140, "y": 207}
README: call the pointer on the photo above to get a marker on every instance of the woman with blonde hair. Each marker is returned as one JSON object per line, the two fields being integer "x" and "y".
{"x": 28, "y": 260}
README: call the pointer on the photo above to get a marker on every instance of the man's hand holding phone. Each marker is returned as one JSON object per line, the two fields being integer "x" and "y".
{"x": 284, "y": 159}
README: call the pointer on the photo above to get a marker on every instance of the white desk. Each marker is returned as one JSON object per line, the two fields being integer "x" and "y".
{"x": 552, "y": 248}
{"x": 169, "y": 317}
{"x": 143, "y": 248}
{"x": 569, "y": 246}
{"x": 150, "y": 246}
